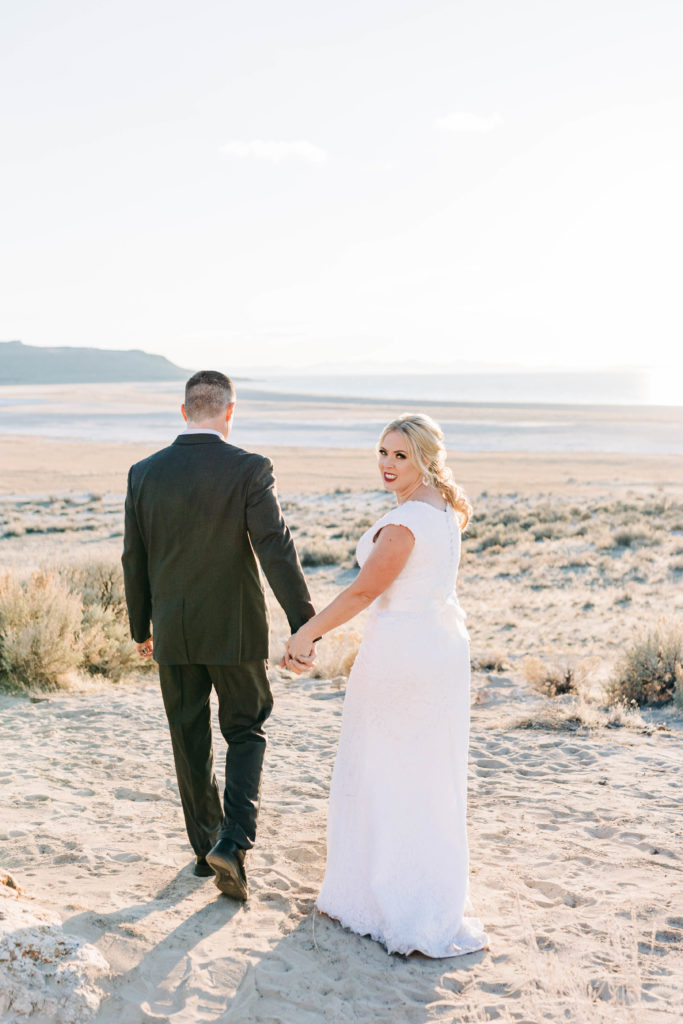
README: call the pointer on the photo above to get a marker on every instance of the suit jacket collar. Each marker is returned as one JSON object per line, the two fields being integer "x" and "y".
{"x": 198, "y": 439}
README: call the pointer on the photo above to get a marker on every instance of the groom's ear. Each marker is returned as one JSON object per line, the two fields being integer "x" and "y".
{"x": 182, "y": 409}
{"x": 229, "y": 411}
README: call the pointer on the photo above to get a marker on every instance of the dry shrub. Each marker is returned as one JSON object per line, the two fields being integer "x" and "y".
{"x": 547, "y": 512}
{"x": 558, "y": 677}
{"x": 583, "y": 713}
{"x": 55, "y": 624}
{"x": 490, "y": 661}
{"x": 13, "y": 528}
{"x": 651, "y": 670}
{"x": 509, "y": 516}
{"x": 98, "y": 583}
{"x": 661, "y": 507}
{"x": 633, "y": 538}
{"x": 364, "y": 523}
{"x": 40, "y": 623}
{"x": 320, "y": 552}
{"x": 498, "y": 537}
{"x": 546, "y": 531}
{"x": 577, "y": 561}
{"x": 107, "y": 646}
{"x": 336, "y": 653}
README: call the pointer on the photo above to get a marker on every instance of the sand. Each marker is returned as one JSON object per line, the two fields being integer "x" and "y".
{"x": 575, "y": 854}
{"x": 574, "y": 823}
{"x": 35, "y": 466}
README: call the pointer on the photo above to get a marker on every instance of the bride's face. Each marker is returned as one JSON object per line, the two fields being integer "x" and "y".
{"x": 398, "y": 473}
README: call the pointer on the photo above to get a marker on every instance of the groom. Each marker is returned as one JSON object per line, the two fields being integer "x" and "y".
{"x": 196, "y": 513}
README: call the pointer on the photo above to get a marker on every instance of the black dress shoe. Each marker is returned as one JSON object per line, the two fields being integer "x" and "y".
{"x": 201, "y": 868}
{"x": 227, "y": 860}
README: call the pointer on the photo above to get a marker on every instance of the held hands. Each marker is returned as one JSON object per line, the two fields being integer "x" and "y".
{"x": 299, "y": 654}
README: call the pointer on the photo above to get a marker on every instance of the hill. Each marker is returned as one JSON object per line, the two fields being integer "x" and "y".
{"x": 28, "y": 364}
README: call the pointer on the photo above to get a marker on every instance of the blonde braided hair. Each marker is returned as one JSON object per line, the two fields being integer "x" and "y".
{"x": 424, "y": 441}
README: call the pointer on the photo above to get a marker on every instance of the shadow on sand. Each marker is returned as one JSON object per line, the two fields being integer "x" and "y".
{"x": 317, "y": 973}
{"x": 134, "y": 991}
{"x": 320, "y": 973}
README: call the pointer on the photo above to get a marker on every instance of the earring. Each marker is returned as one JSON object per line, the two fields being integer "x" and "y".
{"x": 425, "y": 481}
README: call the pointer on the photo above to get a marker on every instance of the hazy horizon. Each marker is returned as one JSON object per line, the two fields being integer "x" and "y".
{"x": 407, "y": 366}
{"x": 449, "y": 382}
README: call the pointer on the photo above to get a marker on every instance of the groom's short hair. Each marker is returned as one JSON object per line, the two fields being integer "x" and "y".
{"x": 207, "y": 394}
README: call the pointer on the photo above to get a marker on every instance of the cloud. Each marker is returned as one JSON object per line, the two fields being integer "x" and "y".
{"x": 275, "y": 152}
{"x": 462, "y": 122}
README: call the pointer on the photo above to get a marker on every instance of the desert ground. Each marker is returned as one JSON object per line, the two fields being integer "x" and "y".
{"x": 576, "y": 843}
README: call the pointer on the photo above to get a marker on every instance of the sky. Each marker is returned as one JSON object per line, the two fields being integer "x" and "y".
{"x": 382, "y": 184}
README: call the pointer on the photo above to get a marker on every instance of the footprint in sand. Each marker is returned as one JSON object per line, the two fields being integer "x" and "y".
{"x": 276, "y": 901}
{"x": 500, "y": 988}
{"x": 278, "y": 882}
{"x": 489, "y": 762}
{"x": 669, "y": 938}
{"x": 122, "y": 793}
{"x": 601, "y": 831}
{"x": 556, "y": 894}
{"x": 630, "y": 837}
{"x": 72, "y": 857}
{"x": 304, "y": 854}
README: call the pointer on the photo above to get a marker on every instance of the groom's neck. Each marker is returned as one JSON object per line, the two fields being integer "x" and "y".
{"x": 218, "y": 424}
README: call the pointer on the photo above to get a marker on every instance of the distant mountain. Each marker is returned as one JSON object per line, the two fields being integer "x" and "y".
{"x": 28, "y": 364}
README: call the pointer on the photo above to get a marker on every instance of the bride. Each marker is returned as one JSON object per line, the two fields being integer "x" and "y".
{"x": 397, "y": 856}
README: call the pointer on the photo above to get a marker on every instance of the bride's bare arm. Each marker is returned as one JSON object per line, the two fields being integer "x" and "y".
{"x": 390, "y": 553}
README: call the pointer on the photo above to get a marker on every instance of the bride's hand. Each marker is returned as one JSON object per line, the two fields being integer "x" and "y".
{"x": 294, "y": 664}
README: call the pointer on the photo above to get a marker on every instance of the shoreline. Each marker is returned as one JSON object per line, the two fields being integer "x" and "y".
{"x": 149, "y": 416}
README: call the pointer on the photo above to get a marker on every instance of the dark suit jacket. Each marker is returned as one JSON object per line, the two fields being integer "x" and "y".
{"x": 195, "y": 514}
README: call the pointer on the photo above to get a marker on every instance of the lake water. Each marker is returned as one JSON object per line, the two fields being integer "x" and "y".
{"x": 628, "y": 387}
{"x": 349, "y": 412}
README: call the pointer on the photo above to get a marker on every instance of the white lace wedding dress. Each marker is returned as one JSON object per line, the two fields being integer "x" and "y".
{"x": 397, "y": 857}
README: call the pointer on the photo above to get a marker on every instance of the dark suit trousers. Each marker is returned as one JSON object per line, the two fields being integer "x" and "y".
{"x": 244, "y": 703}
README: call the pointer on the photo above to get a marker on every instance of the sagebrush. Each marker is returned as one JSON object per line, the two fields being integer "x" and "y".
{"x": 336, "y": 653}
{"x": 40, "y": 624}
{"x": 651, "y": 669}
{"x": 563, "y": 675}
{"x": 55, "y": 625}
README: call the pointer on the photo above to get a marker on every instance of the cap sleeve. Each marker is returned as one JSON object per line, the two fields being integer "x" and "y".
{"x": 407, "y": 515}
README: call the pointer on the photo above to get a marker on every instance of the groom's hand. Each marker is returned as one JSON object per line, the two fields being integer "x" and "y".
{"x": 293, "y": 666}
{"x": 146, "y": 649}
